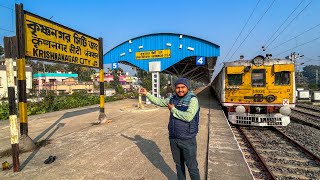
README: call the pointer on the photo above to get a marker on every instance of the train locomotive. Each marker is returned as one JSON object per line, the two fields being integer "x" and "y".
{"x": 257, "y": 92}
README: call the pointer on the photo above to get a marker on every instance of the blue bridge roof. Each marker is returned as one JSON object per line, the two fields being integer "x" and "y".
{"x": 177, "y": 54}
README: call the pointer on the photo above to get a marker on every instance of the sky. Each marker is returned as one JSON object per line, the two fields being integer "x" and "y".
{"x": 239, "y": 27}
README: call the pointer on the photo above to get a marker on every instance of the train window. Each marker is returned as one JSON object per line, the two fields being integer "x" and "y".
{"x": 282, "y": 78}
{"x": 258, "y": 77}
{"x": 234, "y": 79}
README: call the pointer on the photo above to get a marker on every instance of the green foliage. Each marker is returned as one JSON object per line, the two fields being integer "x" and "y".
{"x": 299, "y": 85}
{"x": 147, "y": 83}
{"x": 119, "y": 89}
{"x": 51, "y": 102}
{"x": 163, "y": 84}
{"x": 1, "y": 50}
{"x": 84, "y": 73}
{"x": 4, "y": 110}
{"x": 107, "y": 85}
{"x": 145, "y": 78}
{"x": 115, "y": 81}
{"x": 310, "y": 73}
{"x": 35, "y": 108}
{"x": 115, "y": 84}
{"x": 313, "y": 87}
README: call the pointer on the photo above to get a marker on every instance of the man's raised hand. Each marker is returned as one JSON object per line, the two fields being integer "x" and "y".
{"x": 143, "y": 91}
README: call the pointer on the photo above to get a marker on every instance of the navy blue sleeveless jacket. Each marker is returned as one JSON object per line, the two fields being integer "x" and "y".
{"x": 182, "y": 129}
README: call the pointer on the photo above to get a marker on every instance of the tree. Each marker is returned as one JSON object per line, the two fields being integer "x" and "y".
{"x": 115, "y": 83}
{"x": 120, "y": 70}
{"x": 163, "y": 84}
{"x": 54, "y": 67}
{"x": 1, "y": 50}
{"x": 145, "y": 78}
{"x": 33, "y": 65}
{"x": 84, "y": 73}
{"x": 310, "y": 73}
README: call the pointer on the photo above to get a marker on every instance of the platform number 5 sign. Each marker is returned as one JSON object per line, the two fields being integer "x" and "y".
{"x": 114, "y": 66}
{"x": 200, "y": 60}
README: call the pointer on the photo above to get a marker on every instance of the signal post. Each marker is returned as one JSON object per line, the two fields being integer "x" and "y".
{"x": 10, "y": 47}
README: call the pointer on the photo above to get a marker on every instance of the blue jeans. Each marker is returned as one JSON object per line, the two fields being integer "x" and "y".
{"x": 184, "y": 152}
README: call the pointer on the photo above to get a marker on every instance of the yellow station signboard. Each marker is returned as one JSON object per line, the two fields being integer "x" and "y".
{"x": 53, "y": 42}
{"x": 165, "y": 53}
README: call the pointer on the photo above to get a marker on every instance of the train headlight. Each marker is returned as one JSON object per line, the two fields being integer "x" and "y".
{"x": 278, "y": 115}
{"x": 240, "y": 109}
{"x": 258, "y": 61}
{"x": 285, "y": 110}
{"x": 258, "y": 109}
{"x": 270, "y": 98}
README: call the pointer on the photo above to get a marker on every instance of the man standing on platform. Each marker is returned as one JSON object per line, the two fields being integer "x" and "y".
{"x": 183, "y": 127}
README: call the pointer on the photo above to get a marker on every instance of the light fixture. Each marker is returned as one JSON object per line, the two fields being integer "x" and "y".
{"x": 180, "y": 36}
{"x": 180, "y": 46}
{"x": 140, "y": 47}
{"x": 258, "y": 61}
{"x": 130, "y": 41}
{"x": 168, "y": 44}
{"x": 122, "y": 54}
{"x": 190, "y": 48}
{"x": 130, "y": 50}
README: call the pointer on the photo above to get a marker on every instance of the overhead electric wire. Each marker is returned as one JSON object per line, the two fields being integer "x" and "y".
{"x": 12, "y": 17}
{"x": 288, "y": 24}
{"x": 283, "y": 22}
{"x": 299, "y": 45}
{"x": 309, "y": 59}
{"x": 253, "y": 27}
{"x": 6, "y": 30}
{"x": 6, "y": 7}
{"x": 293, "y": 37}
{"x": 242, "y": 30}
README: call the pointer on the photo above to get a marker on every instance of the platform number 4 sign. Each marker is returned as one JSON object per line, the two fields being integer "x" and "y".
{"x": 114, "y": 66}
{"x": 200, "y": 60}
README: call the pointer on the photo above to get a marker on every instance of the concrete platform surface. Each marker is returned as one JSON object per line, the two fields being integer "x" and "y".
{"x": 134, "y": 145}
{"x": 225, "y": 159}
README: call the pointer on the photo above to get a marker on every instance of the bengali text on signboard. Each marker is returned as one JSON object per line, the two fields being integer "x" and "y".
{"x": 153, "y": 54}
{"x": 53, "y": 42}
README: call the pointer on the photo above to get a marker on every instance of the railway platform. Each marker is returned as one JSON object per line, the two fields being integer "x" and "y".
{"x": 134, "y": 145}
{"x": 225, "y": 159}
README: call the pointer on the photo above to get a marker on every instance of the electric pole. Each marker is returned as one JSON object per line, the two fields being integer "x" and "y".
{"x": 317, "y": 76}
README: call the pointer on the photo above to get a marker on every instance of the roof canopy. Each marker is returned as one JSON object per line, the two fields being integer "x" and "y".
{"x": 171, "y": 53}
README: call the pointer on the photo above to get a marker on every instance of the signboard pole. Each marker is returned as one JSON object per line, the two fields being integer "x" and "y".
{"x": 26, "y": 142}
{"x": 10, "y": 45}
{"x": 102, "y": 115}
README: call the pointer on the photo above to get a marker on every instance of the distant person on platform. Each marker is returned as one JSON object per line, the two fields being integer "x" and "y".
{"x": 183, "y": 127}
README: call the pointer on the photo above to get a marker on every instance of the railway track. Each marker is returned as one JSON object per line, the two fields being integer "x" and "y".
{"x": 306, "y": 114}
{"x": 308, "y": 106}
{"x": 310, "y": 112}
{"x": 258, "y": 168}
{"x": 273, "y": 155}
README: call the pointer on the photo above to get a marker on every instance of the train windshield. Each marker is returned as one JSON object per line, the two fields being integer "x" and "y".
{"x": 282, "y": 78}
{"x": 234, "y": 79}
{"x": 258, "y": 77}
